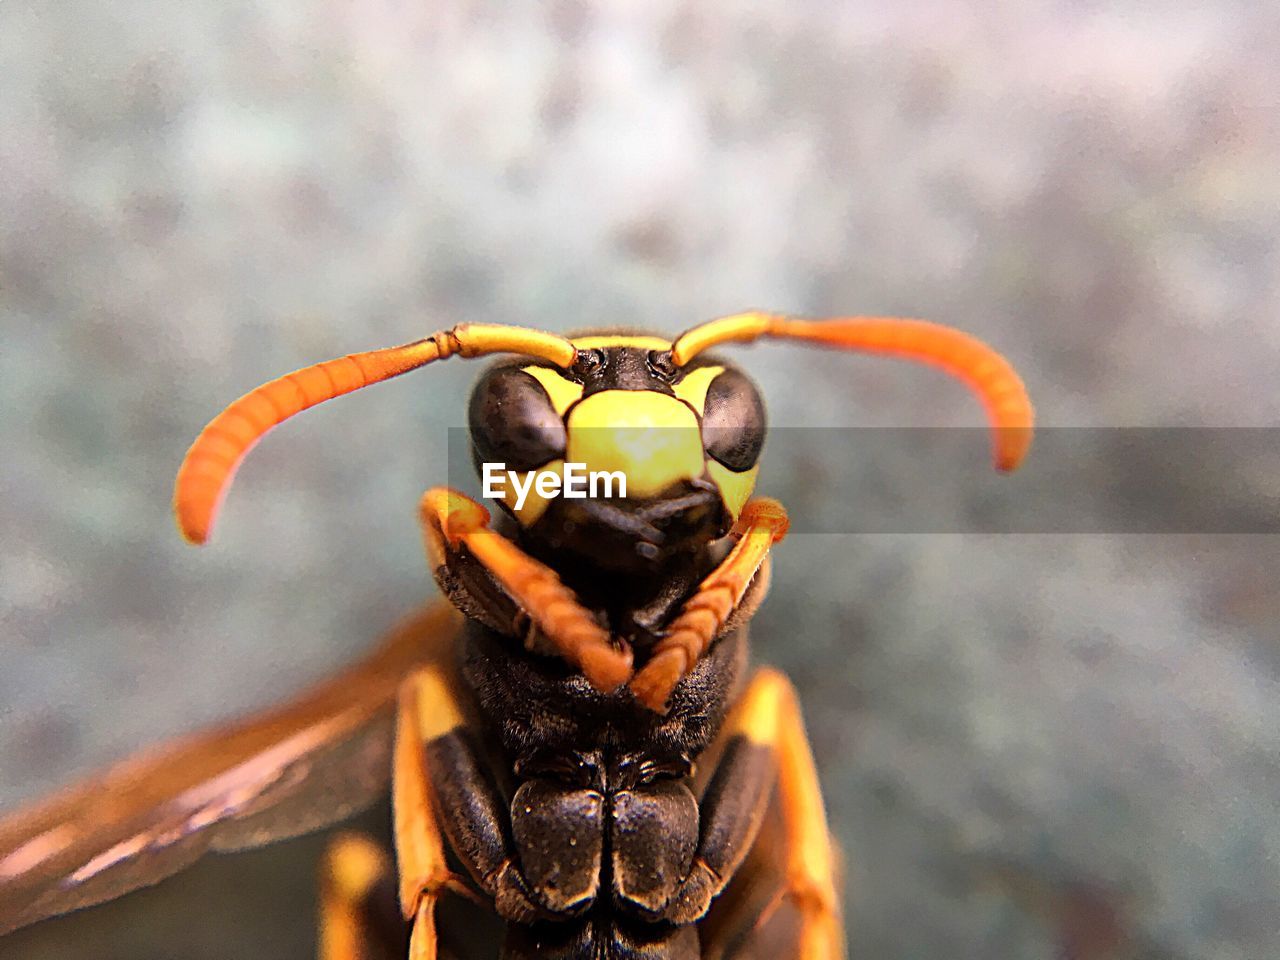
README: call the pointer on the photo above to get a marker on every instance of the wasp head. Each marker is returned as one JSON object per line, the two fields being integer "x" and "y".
{"x": 623, "y": 460}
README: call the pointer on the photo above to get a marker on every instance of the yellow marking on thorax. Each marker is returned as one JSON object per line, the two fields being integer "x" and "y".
{"x": 651, "y": 437}
{"x": 759, "y": 714}
{"x": 693, "y": 388}
{"x": 563, "y": 392}
{"x": 438, "y": 712}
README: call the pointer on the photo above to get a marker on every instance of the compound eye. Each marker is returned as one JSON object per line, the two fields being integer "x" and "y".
{"x": 513, "y": 421}
{"x": 733, "y": 421}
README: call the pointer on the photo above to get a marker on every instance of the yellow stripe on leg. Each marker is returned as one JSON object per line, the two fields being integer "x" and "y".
{"x": 769, "y": 714}
{"x": 419, "y": 842}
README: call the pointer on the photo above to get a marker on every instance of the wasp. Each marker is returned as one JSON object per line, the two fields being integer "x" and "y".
{"x": 574, "y": 740}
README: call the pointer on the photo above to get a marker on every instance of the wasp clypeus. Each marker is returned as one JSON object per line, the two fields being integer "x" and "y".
{"x": 574, "y": 740}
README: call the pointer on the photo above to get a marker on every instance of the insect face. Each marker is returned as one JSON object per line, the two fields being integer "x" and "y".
{"x": 667, "y": 455}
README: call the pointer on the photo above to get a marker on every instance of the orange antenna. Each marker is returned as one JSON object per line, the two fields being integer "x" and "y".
{"x": 211, "y": 462}
{"x": 986, "y": 372}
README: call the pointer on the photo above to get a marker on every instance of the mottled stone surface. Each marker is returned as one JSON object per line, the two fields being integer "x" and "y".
{"x": 1034, "y": 746}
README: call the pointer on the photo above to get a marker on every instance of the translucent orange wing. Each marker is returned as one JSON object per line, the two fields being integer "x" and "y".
{"x": 287, "y": 771}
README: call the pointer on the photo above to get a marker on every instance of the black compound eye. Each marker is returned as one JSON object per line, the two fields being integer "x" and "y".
{"x": 513, "y": 421}
{"x": 733, "y": 421}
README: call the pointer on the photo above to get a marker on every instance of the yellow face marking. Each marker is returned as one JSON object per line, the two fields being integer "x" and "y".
{"x": 535, "y": 505}
{"x": 564, "y": 393}
{"x": 603, "y": 341}
{"x": 735, "y": 488}
{"x": 693, "y": 388}
{"x": 651, "y": 437}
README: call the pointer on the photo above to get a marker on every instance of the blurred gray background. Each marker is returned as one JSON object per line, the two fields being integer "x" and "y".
{"x": 1033, "y": 746}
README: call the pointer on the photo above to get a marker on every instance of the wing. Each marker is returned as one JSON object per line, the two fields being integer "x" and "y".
{"x": 280, "y": 773}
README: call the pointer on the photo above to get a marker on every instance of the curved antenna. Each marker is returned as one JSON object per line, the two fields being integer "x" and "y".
{"x": 210, "y": 464}
{"x": 987, "y": 373}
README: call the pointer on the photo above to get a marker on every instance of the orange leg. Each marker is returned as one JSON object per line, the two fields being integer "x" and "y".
{"x": 353, "y": 867}
{"x": 769, "y": 713}
{"x": 426, "y": 709}
{"x": 454, "y": 519}
{"x": 762, "y": 523}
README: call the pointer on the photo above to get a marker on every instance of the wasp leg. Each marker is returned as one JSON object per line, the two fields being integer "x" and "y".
{"x": 809, "y": 855}
{"x": 439, "y": 789}
{"x": 426, "y": 710}
{"x": 743, "y": 923}
{"x": 765, "y": 734}
{"x": 451, "y": 520}
{"x": 762, "y": 523}
{"x": 354, "y": 871}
